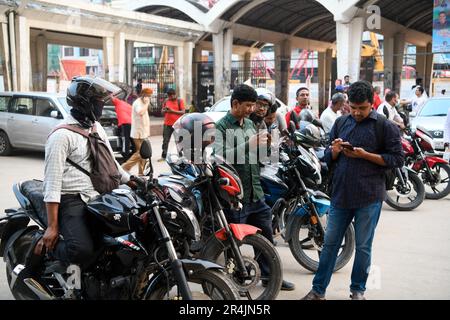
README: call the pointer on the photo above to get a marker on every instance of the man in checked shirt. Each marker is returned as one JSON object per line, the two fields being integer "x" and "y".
{"x": 358, "y": 189}
{"x": 66, "y": 188}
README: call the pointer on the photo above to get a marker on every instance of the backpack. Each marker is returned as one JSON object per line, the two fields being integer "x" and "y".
{"x": 105, "y": 175}
{"x": 379, "y": 132}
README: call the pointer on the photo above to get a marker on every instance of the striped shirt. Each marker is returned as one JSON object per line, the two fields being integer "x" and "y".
{"x": 60, "y": 177}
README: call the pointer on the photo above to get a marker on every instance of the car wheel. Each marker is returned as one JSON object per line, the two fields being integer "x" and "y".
{"x": 5, "y": 147}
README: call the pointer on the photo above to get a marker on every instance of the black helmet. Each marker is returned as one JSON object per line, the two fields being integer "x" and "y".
{"x": 193, "y": 132}
{"x": 266, "y": 95}
{"x": 88, "y": 96}
{"x": 309, "y": 136}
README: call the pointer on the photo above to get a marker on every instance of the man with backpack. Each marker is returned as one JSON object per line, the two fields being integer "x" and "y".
{"x": 388, "y": 109}
{"x": 173, "y": 109}
{"x": 79, "y": 165}
{"x": 364, "y": 145}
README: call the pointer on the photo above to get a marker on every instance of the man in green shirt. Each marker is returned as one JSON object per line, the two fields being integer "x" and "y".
{"x": 239, "y": 143}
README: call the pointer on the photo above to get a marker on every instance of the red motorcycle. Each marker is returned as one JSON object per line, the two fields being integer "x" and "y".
{"x": 419, "y": 156}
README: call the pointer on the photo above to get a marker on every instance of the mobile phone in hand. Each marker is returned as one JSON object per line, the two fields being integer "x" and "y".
{"x": 347, "y": 146}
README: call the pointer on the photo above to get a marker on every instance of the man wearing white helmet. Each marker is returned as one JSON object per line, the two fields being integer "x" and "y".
{"x": 265, "y": 101}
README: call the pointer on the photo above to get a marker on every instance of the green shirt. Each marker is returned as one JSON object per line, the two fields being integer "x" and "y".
{"x": 244, "y": 161}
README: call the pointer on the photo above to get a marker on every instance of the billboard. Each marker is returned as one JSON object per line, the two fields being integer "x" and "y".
{"x": 441, "y": 26}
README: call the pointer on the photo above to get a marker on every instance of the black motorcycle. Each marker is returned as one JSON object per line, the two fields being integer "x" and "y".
{"x": 135, "y": 257}
{"x": 205, "y": 190}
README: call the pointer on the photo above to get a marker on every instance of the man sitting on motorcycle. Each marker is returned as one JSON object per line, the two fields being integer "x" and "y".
{"x": 66, "y": 188}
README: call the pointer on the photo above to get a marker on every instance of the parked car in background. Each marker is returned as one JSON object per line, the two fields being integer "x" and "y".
{"x": 220, "y": 109}
{"x": 26, "y": 120}
{"x": 432, "y": 117}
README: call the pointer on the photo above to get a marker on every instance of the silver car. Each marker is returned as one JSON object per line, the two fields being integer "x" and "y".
{"x": 432, "y": 117}
{"x": 26, "y": 120}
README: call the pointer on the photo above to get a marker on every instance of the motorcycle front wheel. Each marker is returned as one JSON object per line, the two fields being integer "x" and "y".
{"x": 253, "y": 248}
{"x": 407, "y": 197}
{"x": 308, "y": 255}
{"x": 204, "y": 285}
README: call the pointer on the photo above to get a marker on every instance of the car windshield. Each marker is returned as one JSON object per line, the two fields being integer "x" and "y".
{"x": 222, "y": 106}
{"x": 435, "y": 108}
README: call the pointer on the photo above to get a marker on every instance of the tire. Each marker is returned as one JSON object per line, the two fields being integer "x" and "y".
{"x": 439, "y": 194}
{"x": 5, "y": 147}
{"x": 21, "y": 247}
{"x": 222, "y": 283}
{"x": 214, "y": 250}
{"x": 418, "y": 187}
{"x": 298, "y": 249}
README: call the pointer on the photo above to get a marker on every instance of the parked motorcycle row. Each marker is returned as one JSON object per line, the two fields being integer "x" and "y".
{"x": 170, "y": 238}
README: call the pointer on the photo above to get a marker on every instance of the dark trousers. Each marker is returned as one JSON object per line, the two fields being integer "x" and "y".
{"x": 125, "y": 131}
{"x": 75, "y": 226}
{"x": 167, "y": 133}
{"x": 257, "y": 214}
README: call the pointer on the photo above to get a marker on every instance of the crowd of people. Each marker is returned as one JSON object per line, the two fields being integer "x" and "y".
{"x": 351, "y": 121}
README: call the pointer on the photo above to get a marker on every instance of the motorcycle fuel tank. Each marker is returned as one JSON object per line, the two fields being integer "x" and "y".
{"x": 116, "y": 211}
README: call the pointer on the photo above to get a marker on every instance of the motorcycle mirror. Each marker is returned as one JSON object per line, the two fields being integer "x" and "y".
{"x": 295, "y": 118}
{"x": 292, "y": 127}
{"x": 146, "y": 149}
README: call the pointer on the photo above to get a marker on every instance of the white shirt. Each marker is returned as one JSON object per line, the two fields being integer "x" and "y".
{"x": 328, "y": 119}
{"x": 60, "y": 177}
{"x": 140, "y": 124}
{"x": 418, "y": 102}
{"x": 393, "y": 113}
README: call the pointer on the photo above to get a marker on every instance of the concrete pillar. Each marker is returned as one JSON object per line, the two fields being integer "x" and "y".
{"x": 180, "y": 71}
{"x": 23, "y": 55}
{"x": 325, "y": 62}
{"x": 349, "y": 41}
{"x": 218, "y": 66}
{"x": 129, "y": 47}
{"x": 399, "y": 52}
{"x": 424, "y": 65}
{"x": 282, "y": 67}
{"x": 197, "y": 59}
{"x": 5, "y": 52}
{"x": 247, "y": 65}
{"x": 108, "y": 58}
{"x": 187, "y": 65}
{"x": 40, "y": 57}
{"x": 388, "y": 57}
{"x": 119, "y": 57}
{"x": 227, "y": 55}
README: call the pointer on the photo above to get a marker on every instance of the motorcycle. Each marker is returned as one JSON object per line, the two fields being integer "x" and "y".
{"x": 434, "y": 171}
{"x": 206, "y": 190}
{"x": 288, "y": 189}
{"x": 135, "y": 257}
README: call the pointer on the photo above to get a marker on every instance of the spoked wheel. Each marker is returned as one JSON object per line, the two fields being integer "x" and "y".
{"x": 406, "y": 197}
{"x": 254, "y": 248}
{"x": 306, "y": 247}
{"x": 437, "y": 186}
{"x": 204, "y": 285}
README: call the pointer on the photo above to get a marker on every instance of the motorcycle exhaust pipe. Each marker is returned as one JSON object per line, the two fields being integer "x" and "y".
{"x": 37, "y": 289}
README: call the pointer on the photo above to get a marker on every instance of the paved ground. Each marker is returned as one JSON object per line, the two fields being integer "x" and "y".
{"x": 411, "y": 254}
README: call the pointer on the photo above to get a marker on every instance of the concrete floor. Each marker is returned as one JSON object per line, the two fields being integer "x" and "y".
{"x": 411, "y": 253}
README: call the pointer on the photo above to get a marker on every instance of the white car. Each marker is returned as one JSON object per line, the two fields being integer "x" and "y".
{"x": 220, "y": 109}
{"x": 432, "y": 117}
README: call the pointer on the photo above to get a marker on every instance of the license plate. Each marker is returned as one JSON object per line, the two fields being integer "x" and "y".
{"x": 439, "y": 145}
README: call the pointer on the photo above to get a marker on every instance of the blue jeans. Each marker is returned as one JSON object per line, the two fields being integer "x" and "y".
{"x": 257, "y": 214}
{"x": 366, "y": 220}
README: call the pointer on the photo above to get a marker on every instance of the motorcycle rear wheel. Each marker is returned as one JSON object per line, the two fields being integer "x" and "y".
{"x": 443, "y": 188}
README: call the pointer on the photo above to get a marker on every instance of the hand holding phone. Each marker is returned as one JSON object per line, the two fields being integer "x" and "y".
{"x": 348, "y": 146}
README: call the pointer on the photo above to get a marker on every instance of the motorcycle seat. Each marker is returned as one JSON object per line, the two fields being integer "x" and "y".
{"x": 33, "y": 191}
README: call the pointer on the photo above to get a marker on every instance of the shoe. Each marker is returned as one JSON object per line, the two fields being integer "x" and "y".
{"x": 357, "y": 296}
{"x": 313, "y": 296}
{"x": 285, "y": 285}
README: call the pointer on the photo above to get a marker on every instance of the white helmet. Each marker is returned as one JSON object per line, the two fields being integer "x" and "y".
{"x": 267, "y": 95}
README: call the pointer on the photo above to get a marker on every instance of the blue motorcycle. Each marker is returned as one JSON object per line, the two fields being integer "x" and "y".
{"x": 299, "y": 212}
